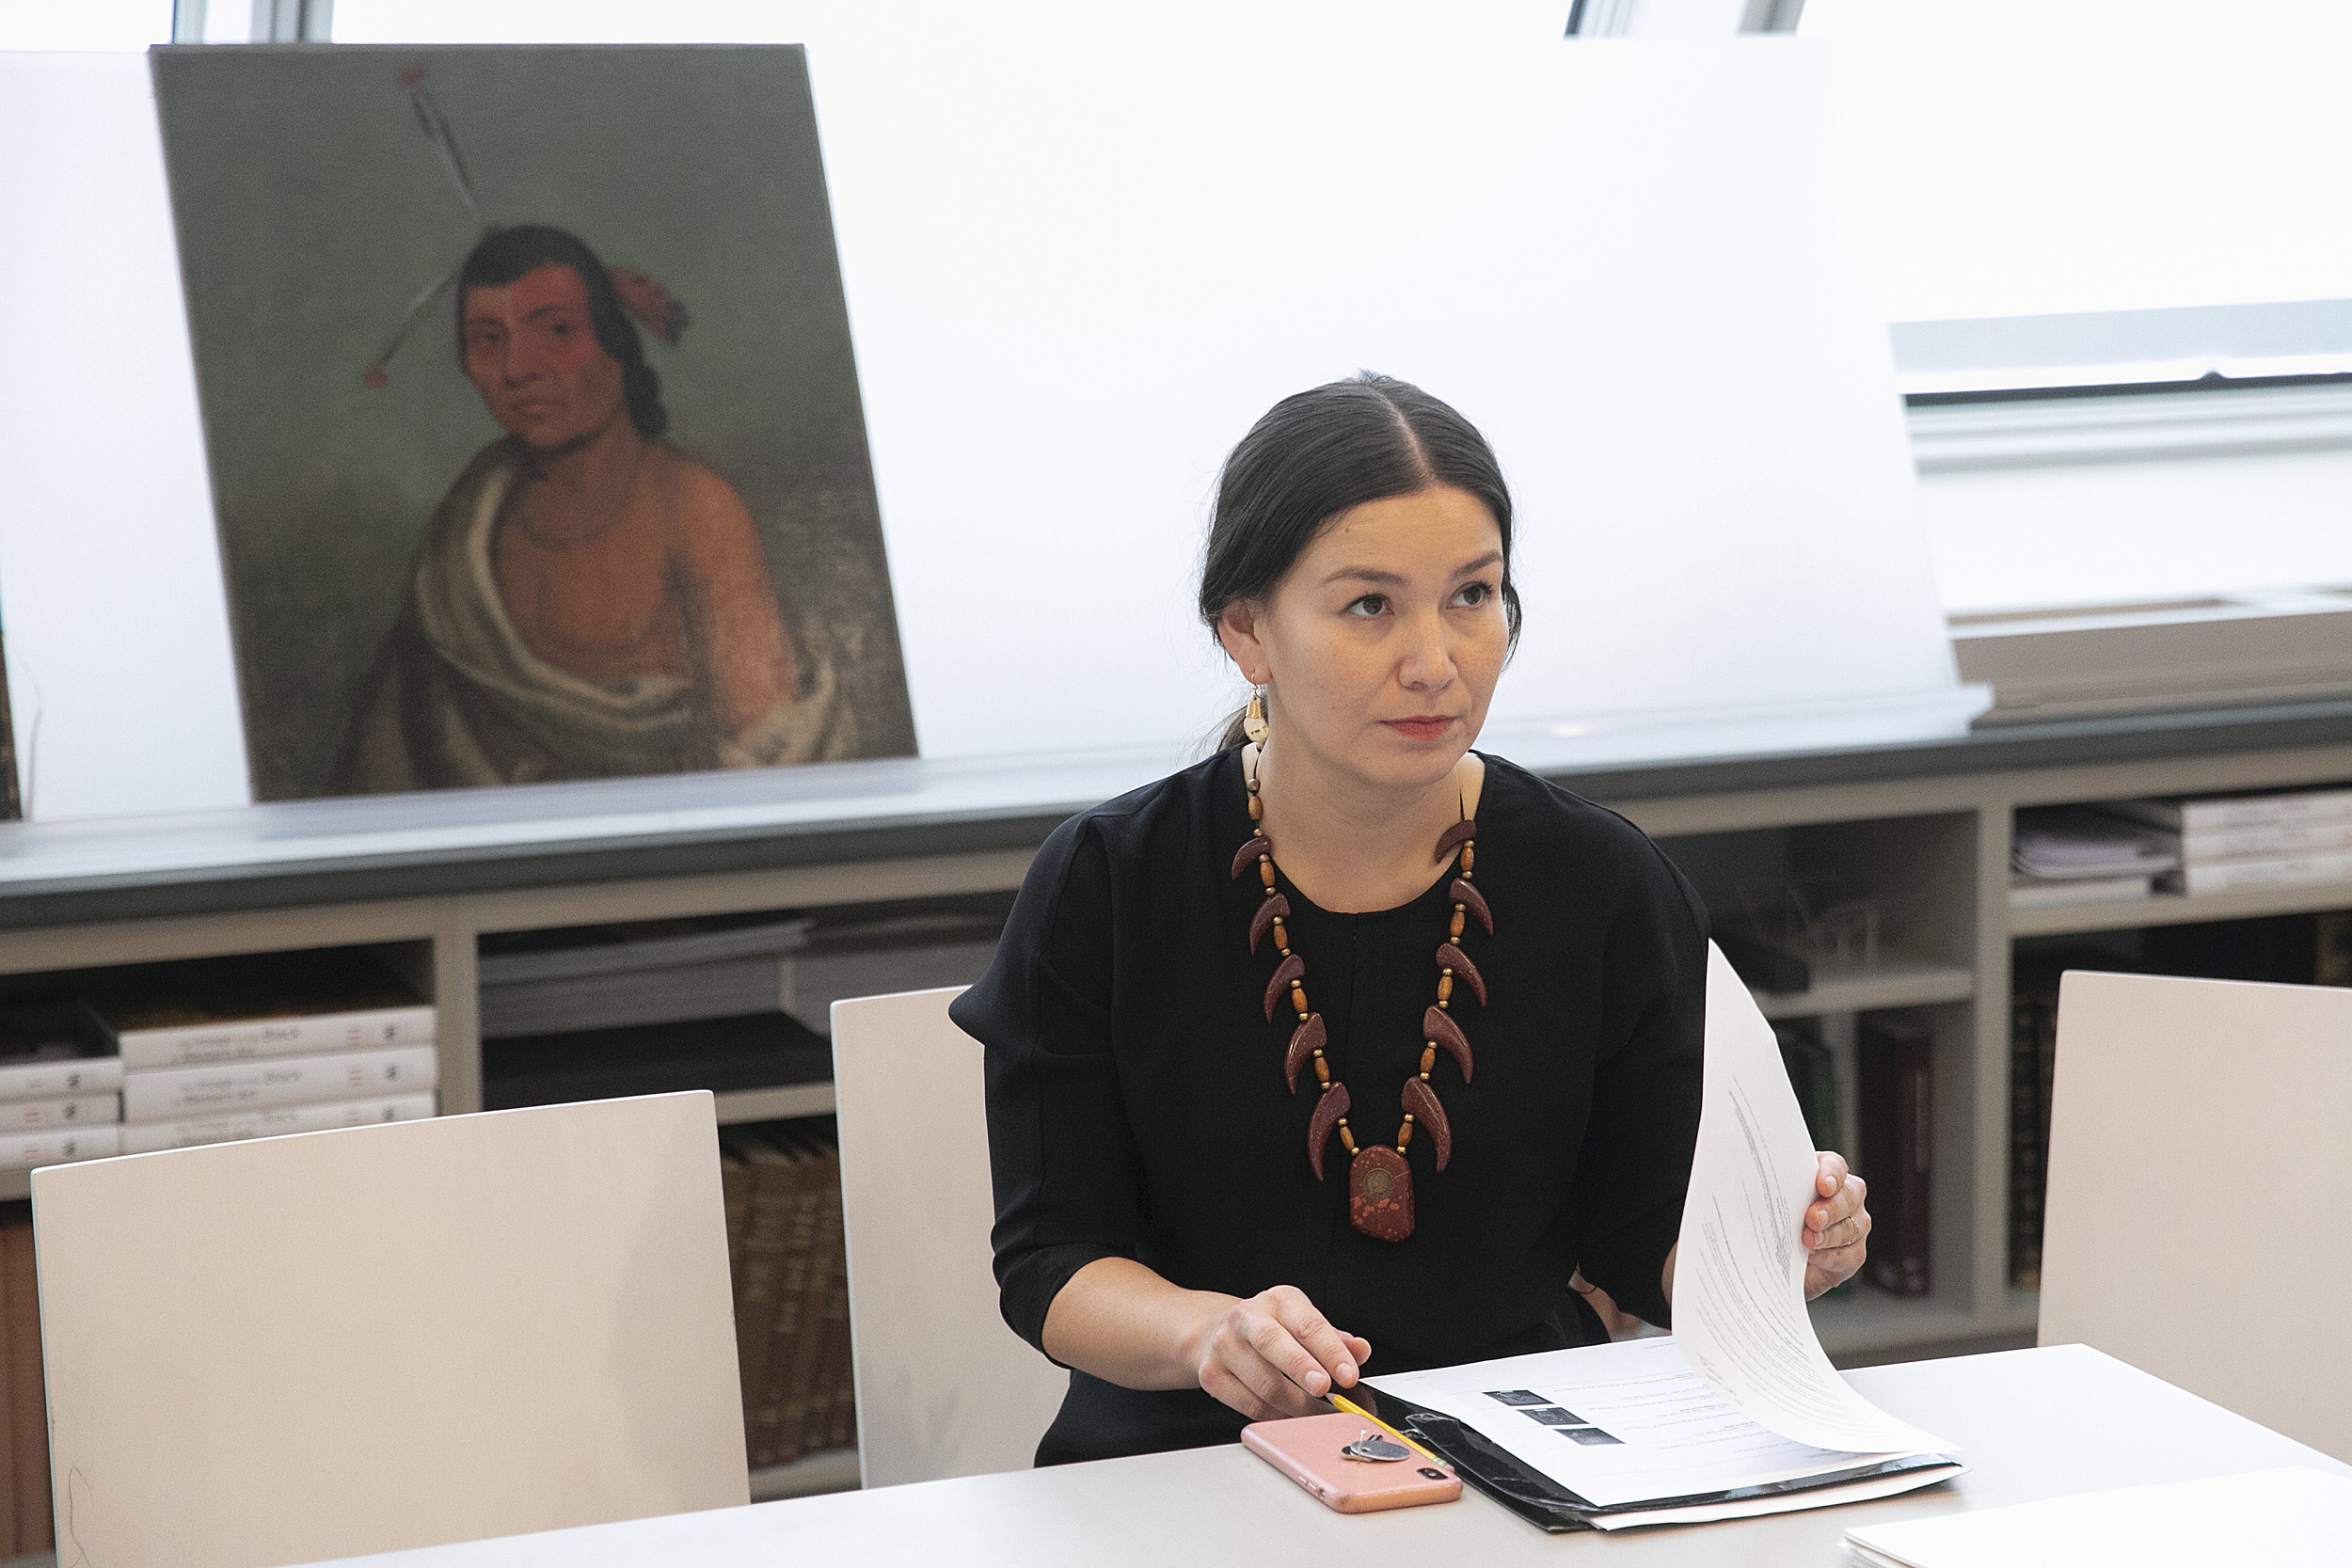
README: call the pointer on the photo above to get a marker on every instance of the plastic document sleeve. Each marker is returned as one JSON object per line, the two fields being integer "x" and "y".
{"x": 1546, "y": 1504}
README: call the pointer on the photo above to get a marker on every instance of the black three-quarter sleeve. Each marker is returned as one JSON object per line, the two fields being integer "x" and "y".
{"x": 1064, "y": 1164}
{"x": 1635, "y": 1164}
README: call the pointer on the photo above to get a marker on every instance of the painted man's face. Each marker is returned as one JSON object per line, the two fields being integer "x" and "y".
{"x": 535, "y": 359}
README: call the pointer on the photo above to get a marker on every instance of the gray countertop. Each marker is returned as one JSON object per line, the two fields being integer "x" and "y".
{"x": 293, "y": 853}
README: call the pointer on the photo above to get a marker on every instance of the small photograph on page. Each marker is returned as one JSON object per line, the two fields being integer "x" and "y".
{"x": 1516, "y": 1395}
{"x": 1589, "y": 1437}
{"x": 1552, "y": 1416}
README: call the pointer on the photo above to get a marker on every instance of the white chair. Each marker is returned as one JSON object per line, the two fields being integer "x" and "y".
{"x": 2198, "y": 1223}
{"x": 944, "y": 1387}
{"x": 387, "y": 1336}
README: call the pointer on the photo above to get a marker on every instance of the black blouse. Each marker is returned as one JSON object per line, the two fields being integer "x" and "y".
{"x": 1137, "y": 1107}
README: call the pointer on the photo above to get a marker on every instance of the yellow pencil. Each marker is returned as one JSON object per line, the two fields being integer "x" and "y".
{"x": 1343, "y": 1402}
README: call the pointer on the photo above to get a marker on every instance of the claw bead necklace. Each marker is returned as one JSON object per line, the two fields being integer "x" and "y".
{"x": 1379, "y": 1180}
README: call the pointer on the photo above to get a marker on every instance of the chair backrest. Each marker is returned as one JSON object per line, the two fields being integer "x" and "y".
{"x": 393, "y": 1335}
{"x": 2198, "y": 1223}
{"x": 944, "y": 1387}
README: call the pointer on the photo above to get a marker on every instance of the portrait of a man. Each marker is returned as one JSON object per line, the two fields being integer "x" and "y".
{"x": 601, "y": 505}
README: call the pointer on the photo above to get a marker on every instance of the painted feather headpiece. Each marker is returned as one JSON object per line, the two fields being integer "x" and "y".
{"x": 642, "y": 297}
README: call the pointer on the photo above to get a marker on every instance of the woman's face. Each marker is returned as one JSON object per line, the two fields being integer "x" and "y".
{"x": 1381, "y": 646}
{"x": 535, "y": 359}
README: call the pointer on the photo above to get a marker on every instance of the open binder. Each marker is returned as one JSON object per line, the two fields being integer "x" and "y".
{"x": 1546, "y": 1504}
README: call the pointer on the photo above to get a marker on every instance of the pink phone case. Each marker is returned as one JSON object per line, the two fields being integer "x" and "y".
{"x": 1307, "y": 1450}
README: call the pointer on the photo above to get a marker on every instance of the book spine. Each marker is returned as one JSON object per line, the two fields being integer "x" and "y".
{"x": 783, "y": 1403}
{"x": 841, "y": 1371}
{"x": 2263, "y": 811}
{"x": 180, "y": 1093}
{"x": 734, "y": 1195}
{"x": 2332, "y": 962}
{"x": 61, "y": 1079}
{"x": 2026, "y": 1120}
{"x": 2269, "y": 841}
{"x": 15, "y": 1512}
{"x": 1914, "y": 1124}
{"x": 775, "y": 1182}
{"x": 59, "y": 1146}
{"x": 87, "y": 1110}
{"x": 28, "y": 1407}
{"x": 255, "y": 1039}
{"x": 1898, "y": 1118}
{"x": 2286, "y": 871}
{"x": 273, "y": 1121}
{"x": 827, "y": 1337}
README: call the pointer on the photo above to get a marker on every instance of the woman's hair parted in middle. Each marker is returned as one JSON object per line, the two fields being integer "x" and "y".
{"x": 1319, "y": 452}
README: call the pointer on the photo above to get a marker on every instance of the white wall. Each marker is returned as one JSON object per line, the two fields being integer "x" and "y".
{"x": 1076, "y": 273}
{"x": 120, "y": 677}
{"x": 2158, "y": 529}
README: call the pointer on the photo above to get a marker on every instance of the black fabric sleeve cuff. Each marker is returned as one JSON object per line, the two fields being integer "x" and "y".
{"x": 1030, "y": 1289}
{"x": 1628, "y": 1263}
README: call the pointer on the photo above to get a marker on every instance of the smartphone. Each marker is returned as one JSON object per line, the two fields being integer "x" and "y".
{"x": 1308, "y": 1448}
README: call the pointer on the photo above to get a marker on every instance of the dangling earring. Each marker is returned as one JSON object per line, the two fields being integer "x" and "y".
{"x": 1253, "y": 722}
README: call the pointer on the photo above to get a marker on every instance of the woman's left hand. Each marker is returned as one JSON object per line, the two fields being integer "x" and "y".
{"x": 1835, "y": 1227}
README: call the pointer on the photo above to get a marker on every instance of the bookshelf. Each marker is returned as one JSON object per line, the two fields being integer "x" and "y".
{"x": 1922, "y": 831}
{"x": 1894, "y": 981}
{"x": 2172, "y": 909}
{"x": 736, "y": 1106}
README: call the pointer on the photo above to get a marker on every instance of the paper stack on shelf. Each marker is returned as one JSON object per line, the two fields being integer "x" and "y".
{"x": 253, "y": 1049}
{"x": 59, "y": 1078}
{"x": 2083, "y": 855}
{"x": 754, "y": 1051}
{"x": 782, "y": 1191}
{"x": 2293, "y": 838}
{"x": 656, "y": 972}
{"x": 894, "y": 953}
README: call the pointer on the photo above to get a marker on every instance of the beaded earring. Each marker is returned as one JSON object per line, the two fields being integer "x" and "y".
{"x": 1253, "y": 722}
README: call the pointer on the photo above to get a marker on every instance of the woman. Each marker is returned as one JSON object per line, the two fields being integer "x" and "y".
{"x": 1351, "y": 1049}
{"x": 589, "y": 599}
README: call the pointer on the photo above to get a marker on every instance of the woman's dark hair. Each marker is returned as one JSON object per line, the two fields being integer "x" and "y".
{"x": 1321, "y": 452}
{"x": 505, "y": 255}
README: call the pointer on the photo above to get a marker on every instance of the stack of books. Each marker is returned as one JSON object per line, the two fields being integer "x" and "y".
{"x": 247, "y": 1052}
{"x": 2084, "y": 855}
{"x": 59, "y": 1084}
{"x": 2294, "y": 839}
{"x": 24, "y": 1514}
{"x": 722, "y": 1002}
{"x": 655, "y": 971}
{"x": 782, "y": 1189}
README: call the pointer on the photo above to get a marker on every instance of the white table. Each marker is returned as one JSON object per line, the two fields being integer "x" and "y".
{"x": 2032, "y": 1423}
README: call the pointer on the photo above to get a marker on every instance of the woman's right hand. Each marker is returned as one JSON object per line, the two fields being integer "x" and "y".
{"x": 1273, "y": 1354}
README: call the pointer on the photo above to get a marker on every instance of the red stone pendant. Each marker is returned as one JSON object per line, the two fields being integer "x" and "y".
{"x": 1380, "y": 1194}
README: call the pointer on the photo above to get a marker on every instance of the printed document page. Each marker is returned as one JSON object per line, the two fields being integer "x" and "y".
{"x": 1739, "y": 1285}
{"x": 1620, "y": 1423}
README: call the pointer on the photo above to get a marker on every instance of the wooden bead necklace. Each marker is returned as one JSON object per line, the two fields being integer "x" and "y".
{"x": 1379, "y": 1179}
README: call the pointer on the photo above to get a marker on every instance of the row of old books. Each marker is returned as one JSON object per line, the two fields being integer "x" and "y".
{"x": 173, "y": 1056}
{"x": 782, "y": 1184}
{"x": 25, "y": 1511}
{"x": 60, "y": 1086}
{"x": 2121, "y": 849}
{"x": 1866, "y": 1086}
{"x": 2280, "y": 838}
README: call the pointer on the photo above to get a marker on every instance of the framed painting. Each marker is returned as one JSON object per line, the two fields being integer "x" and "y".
{"x": 535, "y": 441}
